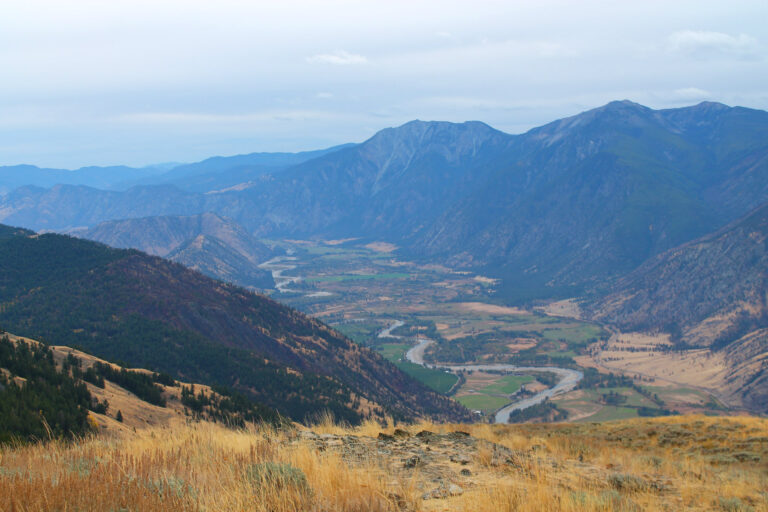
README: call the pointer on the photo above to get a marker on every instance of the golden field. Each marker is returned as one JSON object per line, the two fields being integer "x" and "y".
{"x": 674, "y": 463}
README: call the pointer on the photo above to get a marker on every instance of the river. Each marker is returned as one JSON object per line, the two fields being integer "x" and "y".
{"x": 568, "y": 378}
{"x": 282, "y": 264}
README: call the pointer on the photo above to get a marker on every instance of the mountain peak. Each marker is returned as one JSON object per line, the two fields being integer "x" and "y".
{"x": 393, "y": 151}
{"x": 417, "y": 127}
{"x": 711, "y": 105}
{"x": 615, "y": 112}
{"x": 622, "y": 105}
{"x": 418, "y": 133}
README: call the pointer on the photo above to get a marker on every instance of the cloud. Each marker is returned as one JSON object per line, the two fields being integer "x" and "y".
{"x": 714, "y": 44}
{"x": 692, "y": 93}
{"x": 200, "y": 118}
{"x": 338, "y": 58}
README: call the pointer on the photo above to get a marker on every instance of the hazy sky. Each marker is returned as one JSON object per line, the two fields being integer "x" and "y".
{"x": 137, "y": 82}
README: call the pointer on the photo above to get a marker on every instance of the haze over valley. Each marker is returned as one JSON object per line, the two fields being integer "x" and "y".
{"x": 367, "y": 256}
{"x": 464, "y": 234}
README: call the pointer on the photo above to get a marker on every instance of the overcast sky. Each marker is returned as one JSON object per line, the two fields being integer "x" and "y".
{"x": 138, "y": 82}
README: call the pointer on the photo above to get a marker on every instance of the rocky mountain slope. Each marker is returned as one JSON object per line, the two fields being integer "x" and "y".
{"x": 126, "y": 305}
{"x": 595, "y": 195}
{"x": 215, "y": 246}
{"x": 390, "y": 186}
{"x": 710, "y": 292}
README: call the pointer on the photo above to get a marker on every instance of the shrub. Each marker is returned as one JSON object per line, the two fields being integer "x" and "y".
{"x": 277, "y": 474}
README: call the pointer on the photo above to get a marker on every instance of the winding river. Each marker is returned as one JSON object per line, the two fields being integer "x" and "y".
{"x": 281, "y": 264}
{"x": 277, "y": 266}
{"x": 568, "y": 378}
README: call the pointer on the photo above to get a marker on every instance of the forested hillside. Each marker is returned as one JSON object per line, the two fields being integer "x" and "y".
{"x": 49, "y": 392}
{"x": 37, "y": 399}
{"x": 711, "y": 292}
{"x": 152, "y": 313}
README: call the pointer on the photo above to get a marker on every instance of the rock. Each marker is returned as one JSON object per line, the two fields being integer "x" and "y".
{"x": 466, "y": 472}
{"x": 412, "y": 462}
{"x": 397, "y": 500}
{"x": 443, "y": 491}
{"x": 460, "y": 458}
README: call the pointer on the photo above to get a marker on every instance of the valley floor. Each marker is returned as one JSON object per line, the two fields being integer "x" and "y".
{"x": 673, "y": 463}
{"x": 390, "y": 304}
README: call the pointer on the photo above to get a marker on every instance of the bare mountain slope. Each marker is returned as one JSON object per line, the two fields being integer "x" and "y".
{"x": 213, "y": 245}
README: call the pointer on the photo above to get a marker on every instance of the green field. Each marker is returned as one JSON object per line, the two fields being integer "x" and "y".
{"x": 440, "y": 381}
{"x": 361, "y": 333}
{"x": 357, "y": 277}
{"x": 609, "y": 413}
{"x": 663, "y": 391}
{"x": 393, "y": 351}
{"x": 483, "y": 403}
{"x": 321, "y": 250}
{"x": 578, "y": 334}
{"x": 561, "y": 353}
{"x": 507, "y": 385}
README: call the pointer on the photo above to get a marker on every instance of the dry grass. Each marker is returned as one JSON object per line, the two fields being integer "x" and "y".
{"x": 679, "y": 463}
{"x": 196, "y": 467}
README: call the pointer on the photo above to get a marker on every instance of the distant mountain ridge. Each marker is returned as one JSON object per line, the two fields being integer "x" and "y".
{"x": 221, "y": 172}
{"x": 211, "y": 173}
{"x": 215, "y": 246}
{"x": 552, "y": 211}
{"x": 14, "y": 176}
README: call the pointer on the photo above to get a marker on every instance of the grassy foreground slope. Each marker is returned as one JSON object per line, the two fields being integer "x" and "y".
{"x": 126, "y": 305}
{"x": 681, "y": 463}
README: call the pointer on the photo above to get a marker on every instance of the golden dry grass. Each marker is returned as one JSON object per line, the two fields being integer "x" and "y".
{"x": 678, "y": 463}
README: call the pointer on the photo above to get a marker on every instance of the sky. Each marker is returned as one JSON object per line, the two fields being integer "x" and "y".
{"x": 141, "y": 82}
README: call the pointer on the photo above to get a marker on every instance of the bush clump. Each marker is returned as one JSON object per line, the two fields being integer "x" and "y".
{"x": 279, "y": 475}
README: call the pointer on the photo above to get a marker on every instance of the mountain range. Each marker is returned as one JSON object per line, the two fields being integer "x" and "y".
{"x": 553, "y": 211}
{"x": 209, "y": 174}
